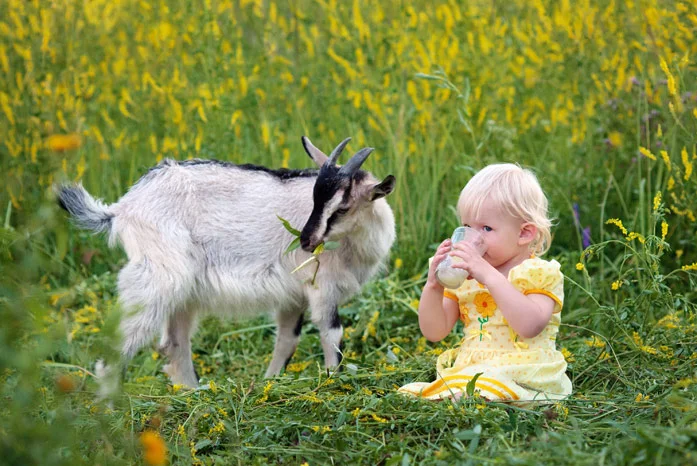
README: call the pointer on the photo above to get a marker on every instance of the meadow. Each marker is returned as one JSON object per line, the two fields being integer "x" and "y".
{"x": 598, "y": 97}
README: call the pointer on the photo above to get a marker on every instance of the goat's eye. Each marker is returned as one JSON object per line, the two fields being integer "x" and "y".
{"x": 341, "y": 211}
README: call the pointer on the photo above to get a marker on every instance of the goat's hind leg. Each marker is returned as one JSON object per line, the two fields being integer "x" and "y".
{"x": 146, "y": 302}
{"x": 138, "y": 327}
{"x": 176, "y": 345}
{"x": 289, "y": 326}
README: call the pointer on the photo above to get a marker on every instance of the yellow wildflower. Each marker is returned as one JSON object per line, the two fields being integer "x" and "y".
{"x": 64, "y": 142}
{"x": 370, "y": 329}
{"x": 616, "y": 285}
{"x": 218, "y": 428}
{"x": 692, "y": 266}
{"x": 686, "y": 163}
{"x": 378, "y": 418}
{"x": 646, "y": 153}
{"x": 633, "y": 235}
{"x": 640, "y": 398}
{"x": 668, "y": 321}
{"x": 297, "y": 366}
{"x": 154, "y": 448}
{"x": 666, "y": 159}
{"x": 664, "y": 229}
{"x": 568, "y": 355}
{"x": 265, "y": 396}
{"x": 657, "y": 201}
{"x": 580, "y": 266}
{"x": 615, "y": 138}
{"x": 398, "y": 263}
{"x": 618, "y": 223}
{"x": 595, "y": 342}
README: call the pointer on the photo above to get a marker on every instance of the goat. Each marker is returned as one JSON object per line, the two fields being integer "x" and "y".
{"x": 203, "y": 235}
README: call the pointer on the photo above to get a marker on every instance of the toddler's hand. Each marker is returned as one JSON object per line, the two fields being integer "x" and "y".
{"x": 472, "y": 261}
{"x": 441, "y": 253}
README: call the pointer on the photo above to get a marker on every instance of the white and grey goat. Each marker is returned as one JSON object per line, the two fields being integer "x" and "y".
{"x": 203, "y": 235}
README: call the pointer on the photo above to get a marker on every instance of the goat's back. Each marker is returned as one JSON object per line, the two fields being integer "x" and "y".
{"x": 217, "y": 205}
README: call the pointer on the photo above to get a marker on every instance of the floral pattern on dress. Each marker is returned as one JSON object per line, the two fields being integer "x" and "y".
{"x": 485, "y": 304}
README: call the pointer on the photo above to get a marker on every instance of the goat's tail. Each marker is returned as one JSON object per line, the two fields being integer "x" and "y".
{"x": 88, "y": 213}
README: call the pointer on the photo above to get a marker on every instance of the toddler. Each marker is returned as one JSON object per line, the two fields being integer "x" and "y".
{"x": 511, "y": 303}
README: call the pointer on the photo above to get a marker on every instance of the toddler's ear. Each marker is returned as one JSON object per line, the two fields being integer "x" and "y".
{"x": 528, "y": 231}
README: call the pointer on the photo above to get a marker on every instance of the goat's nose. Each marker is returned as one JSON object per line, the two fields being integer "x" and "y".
{"x": 306, "y": 244}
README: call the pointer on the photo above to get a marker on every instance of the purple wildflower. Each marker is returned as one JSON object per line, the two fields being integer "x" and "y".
{"x": 586, "y": 235}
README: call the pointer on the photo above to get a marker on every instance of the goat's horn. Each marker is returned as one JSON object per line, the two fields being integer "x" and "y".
{"x": 356, "y": 161}
{"x": 337, "y": 151}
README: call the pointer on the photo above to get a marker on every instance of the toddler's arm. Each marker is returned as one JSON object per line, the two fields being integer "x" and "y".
{"x": 526, "y": 314}
{"x": 437, "y": 315}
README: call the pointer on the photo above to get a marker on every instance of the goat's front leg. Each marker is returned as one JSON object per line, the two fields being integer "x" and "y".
{"x": 289, "y": 325}
{"x": 326, "y": 317}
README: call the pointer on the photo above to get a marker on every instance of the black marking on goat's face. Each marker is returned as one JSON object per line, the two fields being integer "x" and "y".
{"x": 331, "y": 193}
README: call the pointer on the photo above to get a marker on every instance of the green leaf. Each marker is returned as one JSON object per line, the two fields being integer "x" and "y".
{"x": 202, "y": 444}
{"x": 329, "y": 245}
{"x": 295, "y": 244}
{"x": 287, "y": 226}
{"x": 318, "y": 250}
{"x": 472, "y": 384}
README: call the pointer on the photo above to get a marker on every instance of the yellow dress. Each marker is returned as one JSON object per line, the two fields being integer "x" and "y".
{"x": 512, "y": 368}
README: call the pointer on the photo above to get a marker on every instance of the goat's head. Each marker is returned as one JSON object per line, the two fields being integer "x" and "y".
{"x": 339, "y": 193}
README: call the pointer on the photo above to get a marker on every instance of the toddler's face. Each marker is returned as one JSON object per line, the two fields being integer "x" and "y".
{"x": 501, "y": 233}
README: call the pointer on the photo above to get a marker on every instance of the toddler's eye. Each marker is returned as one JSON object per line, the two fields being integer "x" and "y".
{"x": 465, "y": 225}
{"x": 487, "y": 228}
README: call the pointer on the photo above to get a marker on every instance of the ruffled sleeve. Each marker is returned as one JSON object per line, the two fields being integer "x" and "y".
{"x": 538, "y": 276}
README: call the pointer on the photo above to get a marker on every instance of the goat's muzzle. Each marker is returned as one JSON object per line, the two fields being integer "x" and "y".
{"x": 307, "y": 244}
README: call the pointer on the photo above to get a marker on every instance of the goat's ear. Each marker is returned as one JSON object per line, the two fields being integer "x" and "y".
{"x": 383, "y": 188}
{"x": 315, "y": 154}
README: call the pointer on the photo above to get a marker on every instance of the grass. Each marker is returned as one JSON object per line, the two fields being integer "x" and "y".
{"x": 598, "y": 98}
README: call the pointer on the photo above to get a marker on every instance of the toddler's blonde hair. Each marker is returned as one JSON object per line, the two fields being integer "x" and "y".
{"x": 516, "y": 191}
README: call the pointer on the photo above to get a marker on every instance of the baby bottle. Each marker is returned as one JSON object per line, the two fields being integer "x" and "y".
{"x": 446, "y": 274}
